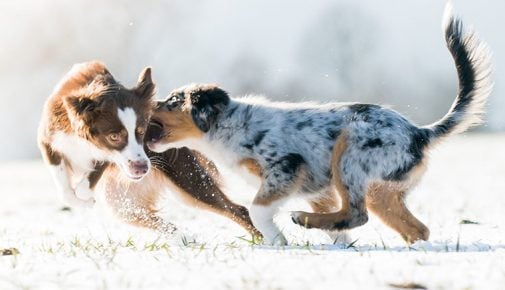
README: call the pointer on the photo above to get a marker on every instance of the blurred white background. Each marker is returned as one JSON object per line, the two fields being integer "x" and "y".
{"x": 389, "y": 52}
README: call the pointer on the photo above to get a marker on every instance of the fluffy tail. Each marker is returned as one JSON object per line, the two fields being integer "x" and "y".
{"x": 473, "y": 64}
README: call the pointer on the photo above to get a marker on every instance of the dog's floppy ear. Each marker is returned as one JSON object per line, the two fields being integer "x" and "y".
{"x": 207, "y": 103}
{"x": 80, "y": 105}
{"x": 145, "y": 86}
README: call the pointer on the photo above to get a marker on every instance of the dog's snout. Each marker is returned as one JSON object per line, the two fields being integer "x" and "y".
{"x": 139, "y": 167}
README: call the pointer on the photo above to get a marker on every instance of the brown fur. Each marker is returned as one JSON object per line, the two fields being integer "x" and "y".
{"x": 135, "y": 202}
{"x": 52, "y": 157}
{"x": 329, "y": 202}
{"x": 199, "y": 187}
{"x": 252, "y": 166}
{"x": 386, "y": 200}
{"x": 186, "y": 128}
{"x": 97, "y": 173}
{"x": 92, "y": 86}
{"x": 209, "y": 166}
{"x": 55, "y": 109}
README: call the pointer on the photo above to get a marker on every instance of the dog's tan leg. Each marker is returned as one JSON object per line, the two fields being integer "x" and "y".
{"x": 386, "y": 200}
{"x": 327, "y": 203}
{"x": 326, "y": 220}
{"x": 148, "y": 218}
{"x": 135, "y": 202}
{"x": 196, "y": 179}
{"x": 352, "y": 213}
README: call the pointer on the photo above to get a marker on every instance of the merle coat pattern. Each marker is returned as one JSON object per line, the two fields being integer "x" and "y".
{"x": 343, "y": 158}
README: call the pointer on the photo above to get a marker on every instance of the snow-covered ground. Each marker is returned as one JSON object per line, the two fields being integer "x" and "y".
{"x": 88, "y": 249}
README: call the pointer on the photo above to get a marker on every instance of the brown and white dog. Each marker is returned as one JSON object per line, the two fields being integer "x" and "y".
{"x": 89, "y": 121}
{"x": 91, "y": 135}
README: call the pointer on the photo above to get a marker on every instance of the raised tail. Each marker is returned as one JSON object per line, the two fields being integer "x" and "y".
{"x": 473, "y": 64}
{"x": 473, "y": 61}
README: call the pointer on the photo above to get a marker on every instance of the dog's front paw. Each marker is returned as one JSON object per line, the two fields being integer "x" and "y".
{"x": 83, "y": 191}
{"x": 89, "y": 203}
{"x": 277, "y": 240}
{"x": 73, "y": 201}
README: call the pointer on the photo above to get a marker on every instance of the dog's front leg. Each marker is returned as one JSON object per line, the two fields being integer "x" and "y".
{"x": 280, "y": 179}
{"x": 262, "y": 214}
{"x": 60, "y": 171}
{"x": 85, "y": 188}
{"x": 61, "y": 176}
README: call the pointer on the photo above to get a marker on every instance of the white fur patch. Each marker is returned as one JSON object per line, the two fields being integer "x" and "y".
{"x": 81, "y": 152}
{"x": 262, "y": 217}
{"x": 62, "y": 180}
{"x": 133, "y": 150}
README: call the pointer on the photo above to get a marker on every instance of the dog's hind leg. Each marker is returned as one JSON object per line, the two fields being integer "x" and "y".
{"x": 352, "y": 212}
{"x": 135, "y": 203}
{"x": 328, "y": 203}
{"x": 139, "y": 213}
{"x": 146, "y": 217}
{"x": 196, "y": 181}
{"x": 386, "y": 200}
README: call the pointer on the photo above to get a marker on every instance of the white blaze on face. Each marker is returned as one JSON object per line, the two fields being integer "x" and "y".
{"x": 134, "y": 151}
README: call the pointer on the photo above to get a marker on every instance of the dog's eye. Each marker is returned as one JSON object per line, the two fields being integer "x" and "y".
{"x": 174, "y": 99}
{"x": 114, "y": 137}
{"x": 171, "y": 102}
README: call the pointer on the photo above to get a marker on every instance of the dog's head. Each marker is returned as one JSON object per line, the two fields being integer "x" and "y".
{"x": 188, "y": 112}
{"x": 112, "y": 117}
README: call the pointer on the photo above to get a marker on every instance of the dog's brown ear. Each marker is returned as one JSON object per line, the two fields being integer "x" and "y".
{"x": 145, "y": 86}
{"x": 207, "y": 103}
{"x": 80, "y": 105}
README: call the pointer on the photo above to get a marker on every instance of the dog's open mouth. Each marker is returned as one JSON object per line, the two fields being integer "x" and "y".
{"x": 154, "y": 131}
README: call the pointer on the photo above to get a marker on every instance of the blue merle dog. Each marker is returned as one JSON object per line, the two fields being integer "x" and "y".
{"x": 343, "y": 158}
